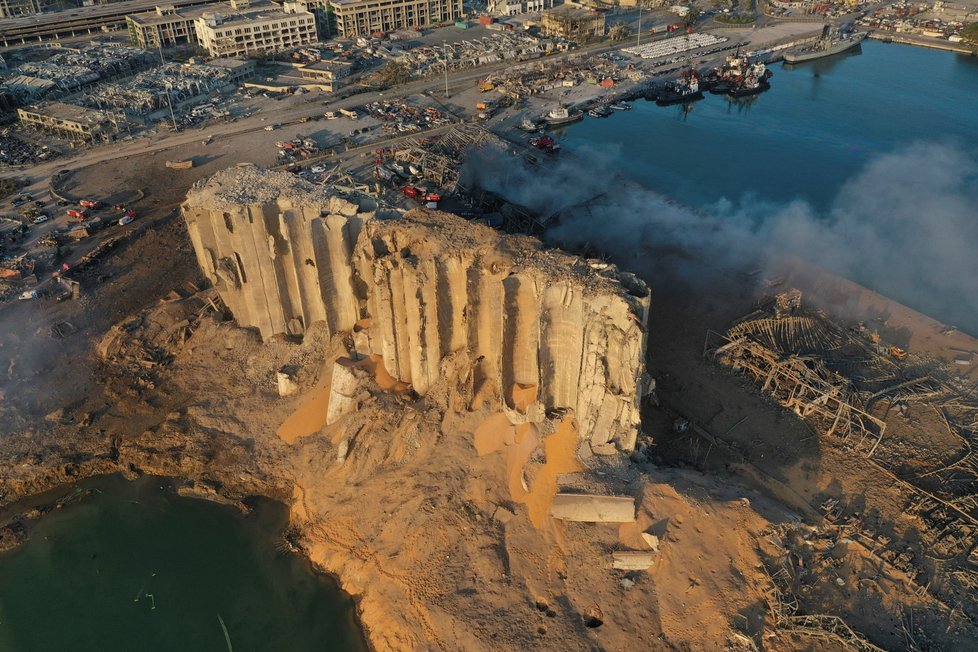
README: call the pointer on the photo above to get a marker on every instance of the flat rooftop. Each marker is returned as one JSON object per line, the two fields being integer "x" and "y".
{"x": 71, "y": 112}
{"x": 79, "y": 14}
{"x": 571, "y": 12}
{"x": 327, "y": 64}
{"x": 28, "y": 82}
{"x": 351, "y": 3}
{"x": 150, "y": 18}
{"x": 229, "y": 62}
{"x": 228, "y": 13}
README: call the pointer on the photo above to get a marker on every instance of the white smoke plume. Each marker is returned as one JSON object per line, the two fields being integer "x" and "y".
{"x": 906, "y": 225}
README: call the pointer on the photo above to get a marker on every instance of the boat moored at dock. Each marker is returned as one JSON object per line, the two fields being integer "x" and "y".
{"x": 829, "y": 43}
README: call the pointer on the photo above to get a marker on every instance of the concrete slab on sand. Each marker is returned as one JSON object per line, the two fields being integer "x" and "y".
{"x": 589, "y": 508}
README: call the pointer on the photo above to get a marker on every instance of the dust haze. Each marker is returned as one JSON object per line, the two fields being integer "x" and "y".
{"x": 905, "y": 225}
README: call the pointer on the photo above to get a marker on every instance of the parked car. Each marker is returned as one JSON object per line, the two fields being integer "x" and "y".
{"x": 40, "y": 219}
{"x": 125, "y": 219}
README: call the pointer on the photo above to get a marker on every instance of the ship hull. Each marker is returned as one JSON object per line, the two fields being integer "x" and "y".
{"x": 799, "y": 56}
{"x": 747, "y": 92}
{"x": 556, "y": 122}
{"x": 675, "y": 98}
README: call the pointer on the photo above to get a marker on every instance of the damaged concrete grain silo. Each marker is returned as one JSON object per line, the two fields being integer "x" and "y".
{"x": 424, "y": 286}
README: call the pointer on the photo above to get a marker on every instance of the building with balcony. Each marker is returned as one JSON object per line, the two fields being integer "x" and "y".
{"x": 517, "y": 7}
{"x": 255, "y": 29}
{"x": 366, "y": 17}
{"x": 165, "y": 26}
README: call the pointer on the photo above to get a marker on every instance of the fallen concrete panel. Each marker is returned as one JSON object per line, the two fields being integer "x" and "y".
{"x": 628, "y": 560}
{"x": 590, "y": 508}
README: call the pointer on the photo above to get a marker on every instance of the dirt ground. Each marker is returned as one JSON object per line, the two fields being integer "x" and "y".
{"x": 203, "y": 406}
{"x": 771, "y": 536}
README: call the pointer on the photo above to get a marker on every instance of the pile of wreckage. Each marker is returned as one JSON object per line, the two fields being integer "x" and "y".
{"x": 70, "y": 70}
{"x": 146, "y": 343}
{"x": 17, "y": 277}
{"x": 156, "y": 89}
{"x": 850, "y": 385}
{"x": 435, "y": 159}
{"x": 15, "y": 151}
{"x": 400, "y": 116}
{"x": 496, "y": 48}
{"x": 542, "y": 76}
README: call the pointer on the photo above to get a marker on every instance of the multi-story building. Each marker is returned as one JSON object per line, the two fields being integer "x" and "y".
{"x": 13, "y": 8}
{"x": 233, "y": 29}
{"x": 325, "y": 21}
{"x": 365, "y": 17}
{"x": 166, "y": 26}
{"x": 573, "y": 23}
{"x": 325, "y": 74}
{"x": 517, "y": 7}
{"x": 249, "y": 30}
{"x": 238, "y": 69}
{"x": 93, "y": 19}
{"x": 74, "y": 122}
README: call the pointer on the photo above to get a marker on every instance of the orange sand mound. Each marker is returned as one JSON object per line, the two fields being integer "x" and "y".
{"x": 310, "y": 417}
{"x": 517, "y": 455}
{"x": 560, "y": 458}
{"x": 523, "y": 396}
{"x": 375, "y": 365}
{"x": 496, "y": 433}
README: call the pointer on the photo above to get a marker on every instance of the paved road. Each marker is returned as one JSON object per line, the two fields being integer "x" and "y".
{"x": 305, "y": 106}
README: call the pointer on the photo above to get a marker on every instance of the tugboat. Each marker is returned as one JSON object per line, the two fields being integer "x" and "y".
{"x": 529, "y": 125}
{"x": 739, "y": 77}
{"x": 562, "y": 116}
{"x": 684, "y": 89}
{"x": 753, "y": 82}
{"x": 828, "y": 43}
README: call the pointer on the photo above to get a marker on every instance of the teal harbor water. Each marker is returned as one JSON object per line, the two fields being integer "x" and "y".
{"x": 132, "y": 566}
{"x": 865, "y": 163}
{"x": 819, "y": 125}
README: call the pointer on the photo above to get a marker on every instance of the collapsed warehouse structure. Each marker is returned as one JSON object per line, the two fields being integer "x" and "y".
{"x": 437, "y": 159}
{"x": 783, "y": 348}
{"x": 427, "y": 287}
{"x": 71, "y": 70}
{"x": 148, "y": 91}
{"x": 855, "y": 389}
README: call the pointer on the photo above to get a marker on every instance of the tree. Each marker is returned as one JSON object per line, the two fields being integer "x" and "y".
{"x": 394, "y": 73}
{"x": 970, "y": 33}
{"x": 619, "y": 32}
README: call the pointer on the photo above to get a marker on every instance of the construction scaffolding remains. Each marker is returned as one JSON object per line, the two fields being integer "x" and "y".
{"x": 69, "y": 70}
{"x": 147, "y": 92}
{"x": 850, "y": 384}
{"x": 437, "y": 159}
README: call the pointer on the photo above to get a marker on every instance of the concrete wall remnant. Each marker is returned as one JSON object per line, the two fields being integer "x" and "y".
{"x": 284, "y": 254}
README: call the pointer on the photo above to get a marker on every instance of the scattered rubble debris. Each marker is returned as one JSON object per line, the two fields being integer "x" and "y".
{"x": 848, "y": 384}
